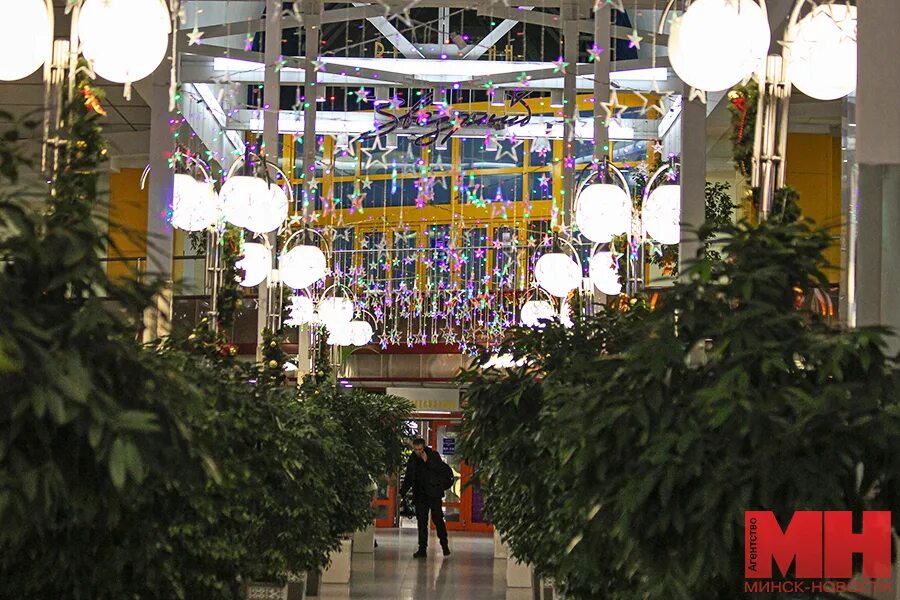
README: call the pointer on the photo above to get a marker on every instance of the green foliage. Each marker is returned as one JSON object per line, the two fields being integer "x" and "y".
{"x": 89, "y": 417}
{"x": 154, "y": 472}
{"x": 648, "y": 434}
{"x": 719, "y": 210}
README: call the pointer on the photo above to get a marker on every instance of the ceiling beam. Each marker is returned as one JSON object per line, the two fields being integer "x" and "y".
{"x": 393, "y": 35}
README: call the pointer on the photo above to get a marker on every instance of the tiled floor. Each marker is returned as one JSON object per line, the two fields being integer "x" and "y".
{"x": 470, "y": 573}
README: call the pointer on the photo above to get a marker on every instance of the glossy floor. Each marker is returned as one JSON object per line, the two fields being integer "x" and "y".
{"x": 470, "y": 573}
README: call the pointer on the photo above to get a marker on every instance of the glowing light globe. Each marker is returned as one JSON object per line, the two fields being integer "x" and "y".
{"x": 256, "y": 263}
{"x": 602, "y": 212}
{"x": 603, "y": 274}
{"x": 340, "y": 335}
{"x": 662, "y": 214}
{"x": 557, "y": 273}
{"x": 302, "y": 266}
{"x": 301, "y": 311}
{"x": 334, "y": 312}
{"x": 822, "y": 55}
{"x": 26, "y": 38}
{"x": 535, "y": 311}
{"x": 718, "y": 43}
{"x": 254, "y": 203}
{"x": 125, "y": 40}
{"x": 195, "y": 205}
{"x": 360, "y": 333}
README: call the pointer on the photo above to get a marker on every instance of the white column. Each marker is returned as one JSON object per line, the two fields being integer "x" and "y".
{"x": 878, "y": 156}
{"x": 603, "y": 39}
{"x": 159, "y": 229}
{"x": 569, "y": 14}
{"x": 693, "y": 176}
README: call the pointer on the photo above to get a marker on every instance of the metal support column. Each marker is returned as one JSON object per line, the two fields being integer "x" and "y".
{"x": 272, "y": 98}
{"x": 602, "y": 39}
{"x": 569, "y": 15}
{"x": 693, "y": 176}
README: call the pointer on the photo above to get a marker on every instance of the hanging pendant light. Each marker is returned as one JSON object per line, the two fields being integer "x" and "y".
{"x": 254, "y": 203}
{"x": 195, "y": 204}
{"x": 604, "y": 275}
{"x": 125, "y": 40}
{"x": 301, "y": 311}
{"x": 557, "y": 273}
{"x": 256, "y": 264}
{"x": 718, "y": 43}
{"x": 661, "y": 214}
{"x": 822, "y": 52}
{"x": 335, "y": 312}
{"x": 26, "y": 38}
{"x": 603, "y": 211}
{"x": 535, "y": 311}
{"x": 302, "y": 266}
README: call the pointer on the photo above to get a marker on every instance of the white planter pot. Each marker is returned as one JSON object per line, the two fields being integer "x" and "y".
{"x": 518, "y": 575}
{"x": 364, "y": 541}
{"x": 500, "y": 549}
{"x": 339, "y": 569}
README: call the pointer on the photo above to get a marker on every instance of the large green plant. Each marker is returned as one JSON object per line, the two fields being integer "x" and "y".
{"x": 88, "y": 416}
{"x": 728, "y": 397}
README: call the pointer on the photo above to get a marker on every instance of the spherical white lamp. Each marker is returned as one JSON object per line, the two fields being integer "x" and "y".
{"x": 254, "y": 203}
{"x": 341, "y": 334}
{"x": 26, "y": 38}
{"x": 557, "y": 274}
{"x": 360, "y": 333}
{"x": 301, "y": 311}
{"x": 718, "y": 43}
{"x": 302, "y": 266}
{"x": 603, "y": 274}
{"x": 822, "y": 53}
{"x": 195, "y": 204}
{"x": 603, "y": 211}
{"x": 256, "y": 263}
{"x": 334, "y": 312}
{"x": 662, "y": 214}
{"x": 535, "y": 311}
{"x": 125, "y": 40}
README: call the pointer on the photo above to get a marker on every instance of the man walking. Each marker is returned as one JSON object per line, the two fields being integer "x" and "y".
{"x": 428, "y": 477}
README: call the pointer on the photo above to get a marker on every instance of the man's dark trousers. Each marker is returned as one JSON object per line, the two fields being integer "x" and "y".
{"x": 434, "y": 506}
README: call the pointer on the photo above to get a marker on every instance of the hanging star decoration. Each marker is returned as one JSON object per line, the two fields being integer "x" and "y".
{"x": 195, "y": 37}
{"x": 377, "y": 144}
{"x": 512, "y": 152}
{"x": 698, "y": 94}
{"x": 613, "y": 109}
{"x": 594, "y": 52}
{"x": 559, "y": 65}
{"x": 658, "y": 147}
{"x": 318, "y": 65}
{"x": 366, "y": 183}
{"x": 362, "y": 95}
{"x": 634, "y": 40}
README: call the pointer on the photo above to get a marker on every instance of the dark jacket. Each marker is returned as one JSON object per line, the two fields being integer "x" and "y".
{"x": 424, "y": 477}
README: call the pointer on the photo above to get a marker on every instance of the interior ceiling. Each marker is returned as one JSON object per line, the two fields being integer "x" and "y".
{"x": 128, "y": 122}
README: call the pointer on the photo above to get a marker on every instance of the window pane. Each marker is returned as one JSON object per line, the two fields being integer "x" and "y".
{"x": 473, "y": 258}
{"x": 438, "y": 259}
{"x": 403, "y": 262}
{"x": 505, "y": 264}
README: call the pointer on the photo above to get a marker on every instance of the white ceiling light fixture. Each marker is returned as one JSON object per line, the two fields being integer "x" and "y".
{"x": 302, "y": 266}
{"x": 557, "y": 274}
{"x": 26, "y": 37}
{"x": 716, "y": 44}
{"x": 256, "y": 264}
{"x": 125, "y": 40}
{"x": 822, "y": 51}
{"x": 340, "y": 334}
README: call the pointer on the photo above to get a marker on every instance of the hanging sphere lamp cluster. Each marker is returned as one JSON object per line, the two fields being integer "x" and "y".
{"x": 716, "y": 44}
{"x": 124, "y": 40}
